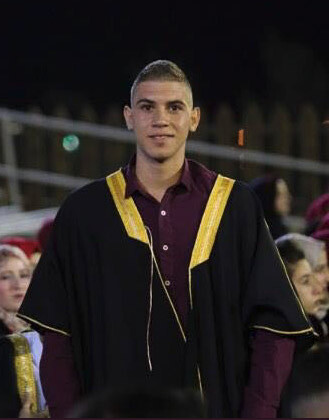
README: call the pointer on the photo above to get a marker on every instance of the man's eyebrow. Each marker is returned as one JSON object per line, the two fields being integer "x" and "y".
{"x": 177, "y": 102}
{"x": 149, "y": 101}
{"x": 144, "y": 100}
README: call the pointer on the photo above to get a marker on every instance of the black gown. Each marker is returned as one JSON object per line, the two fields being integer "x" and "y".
{"x": 9, "y": 399}
{"x": 93, "y": 283}
{"x": 4, "y": 330}
{"x": 10, "y": 403}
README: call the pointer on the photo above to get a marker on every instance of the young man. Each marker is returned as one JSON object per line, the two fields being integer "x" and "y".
{"x": 160, "y": 274}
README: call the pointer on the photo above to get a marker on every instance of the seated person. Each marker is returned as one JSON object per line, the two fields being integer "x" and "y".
{"x": 274, "y": 195}
{"x": 315, "y": 253}
{"x": 20, "y": 351}
{"x": 300, "y": 273}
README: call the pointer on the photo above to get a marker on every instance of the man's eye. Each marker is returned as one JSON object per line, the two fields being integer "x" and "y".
{"x": 146, "y": 107}
{"x": 175, "y": 107}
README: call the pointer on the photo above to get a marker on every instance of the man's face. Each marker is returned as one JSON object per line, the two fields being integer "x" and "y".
{"x": 309, "y": 290}
{"x": 161, "y": 115}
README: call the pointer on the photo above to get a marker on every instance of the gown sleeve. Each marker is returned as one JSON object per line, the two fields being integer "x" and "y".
{"x": 270, "y": 301}
{"x": 45, "y": 305}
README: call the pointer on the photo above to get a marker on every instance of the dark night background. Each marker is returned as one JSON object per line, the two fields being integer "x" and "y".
{"x": 232, "y": 51}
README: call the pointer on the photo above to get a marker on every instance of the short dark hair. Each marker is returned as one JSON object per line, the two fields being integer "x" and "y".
{"x": 290, "y": 254}
{"x": 163, "y": 70}
{"x": 141, "y": 403}
{"x": 309, "y": 380}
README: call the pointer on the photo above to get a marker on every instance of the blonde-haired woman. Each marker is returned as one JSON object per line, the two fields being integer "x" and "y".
{"x": 20, "y": 347}
{"x": 15, "y": 276}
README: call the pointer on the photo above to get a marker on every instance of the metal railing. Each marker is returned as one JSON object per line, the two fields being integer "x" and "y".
{"x": 11, "y": 121}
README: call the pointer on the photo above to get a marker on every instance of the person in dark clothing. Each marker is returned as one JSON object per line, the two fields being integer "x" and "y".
{"x": 275, "y": 198}
{"x": 158, "y": 275}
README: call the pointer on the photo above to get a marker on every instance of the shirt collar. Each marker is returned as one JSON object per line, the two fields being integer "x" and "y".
{"x": 132, "y": 184}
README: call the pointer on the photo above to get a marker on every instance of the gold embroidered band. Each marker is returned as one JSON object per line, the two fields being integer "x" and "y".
{"x": 126, "y": 207}
{"x": 24, "y": 371}
{"x": 34, "y": 321}
{"x": 260, "y": 327}
{"x": 135, "y": 228}
{"x": 211, "y": 219}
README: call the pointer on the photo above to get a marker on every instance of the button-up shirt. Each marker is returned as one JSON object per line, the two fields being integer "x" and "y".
{"x": 174, "y": 224}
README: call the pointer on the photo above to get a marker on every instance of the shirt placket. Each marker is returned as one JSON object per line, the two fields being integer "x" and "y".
{"x": 166, "y": 243}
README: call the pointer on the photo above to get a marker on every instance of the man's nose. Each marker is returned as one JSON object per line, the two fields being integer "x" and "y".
{"x": 160, "y": 118}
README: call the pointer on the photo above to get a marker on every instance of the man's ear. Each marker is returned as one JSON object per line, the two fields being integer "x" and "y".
{"x": 195, "y": 118}
{"x": 127, "y": 113}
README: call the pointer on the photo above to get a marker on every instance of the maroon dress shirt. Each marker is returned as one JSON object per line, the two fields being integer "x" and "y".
{"x": 174, "y": 223}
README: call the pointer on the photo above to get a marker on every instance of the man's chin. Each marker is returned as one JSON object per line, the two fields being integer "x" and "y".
{"x": 159, "y": 157}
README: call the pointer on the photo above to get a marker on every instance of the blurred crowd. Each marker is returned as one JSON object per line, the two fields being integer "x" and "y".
{"x": 305, "y": 257}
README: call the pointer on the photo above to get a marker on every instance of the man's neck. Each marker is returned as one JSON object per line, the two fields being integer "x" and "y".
{"x": 157, "y": 177}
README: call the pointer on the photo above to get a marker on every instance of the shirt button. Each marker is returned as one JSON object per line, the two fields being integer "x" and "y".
{"x": 165, "y": 247}
{"x": 167, "y": 283}
{"x": 163, "y": 212}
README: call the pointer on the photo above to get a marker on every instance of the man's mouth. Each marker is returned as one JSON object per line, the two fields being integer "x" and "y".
{"x": 160, "y": 136}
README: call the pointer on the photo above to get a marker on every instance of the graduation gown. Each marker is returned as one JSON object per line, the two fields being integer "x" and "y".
{"x": 4, "y": 330}
{"x": 99, "y": 282}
